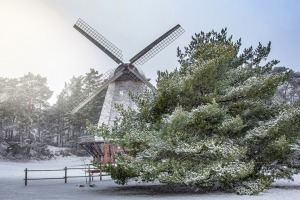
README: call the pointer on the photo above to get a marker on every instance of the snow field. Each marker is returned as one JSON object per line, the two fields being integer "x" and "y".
{"x": 12, "y": 185}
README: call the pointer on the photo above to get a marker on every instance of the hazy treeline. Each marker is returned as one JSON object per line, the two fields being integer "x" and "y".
{"x": 26, "y": 116}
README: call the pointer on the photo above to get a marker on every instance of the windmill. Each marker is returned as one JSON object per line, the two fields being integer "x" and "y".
{"x": 118, "y": 83}
{"x": 126, "y": 77}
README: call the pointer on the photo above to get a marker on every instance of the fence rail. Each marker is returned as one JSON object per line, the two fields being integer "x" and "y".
{"x": 89, "y": 171}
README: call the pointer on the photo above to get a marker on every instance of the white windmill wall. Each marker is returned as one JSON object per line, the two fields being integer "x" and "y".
{"x": 117, "y": 93}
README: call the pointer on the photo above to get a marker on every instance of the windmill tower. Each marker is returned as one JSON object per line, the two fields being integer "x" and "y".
{"x": 126, "y": 77}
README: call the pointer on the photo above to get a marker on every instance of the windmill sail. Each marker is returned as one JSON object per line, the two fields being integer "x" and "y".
{"x": 141, "y": 78}
{"x": 108, "y": 78}
{"x": 101, "y": 42}
{"x": 158, "y": 45}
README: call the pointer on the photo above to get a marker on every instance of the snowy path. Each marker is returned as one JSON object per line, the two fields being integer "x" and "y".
{"x": 12, "y": 186}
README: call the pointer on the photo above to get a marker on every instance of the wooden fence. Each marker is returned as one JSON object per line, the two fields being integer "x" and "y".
{"x": 89, "y": 171}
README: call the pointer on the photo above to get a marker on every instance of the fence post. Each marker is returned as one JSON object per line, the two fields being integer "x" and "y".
{"x": 65, "y": 174}
{"x": 100, "y": 172}
{"x": 89, "y": 170}
{"x": 25, "y": 176}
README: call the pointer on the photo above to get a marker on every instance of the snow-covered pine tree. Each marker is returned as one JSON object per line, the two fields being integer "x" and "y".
{"x": 210, "y": 123}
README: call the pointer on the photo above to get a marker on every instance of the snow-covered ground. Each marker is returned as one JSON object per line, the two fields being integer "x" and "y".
{"x": 12, "y": 185}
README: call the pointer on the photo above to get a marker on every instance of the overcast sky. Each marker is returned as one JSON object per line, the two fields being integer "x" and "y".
{"x": 38, "y": 36}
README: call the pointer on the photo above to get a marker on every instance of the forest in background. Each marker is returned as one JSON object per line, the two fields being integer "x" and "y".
{"x": 28, "y": 121}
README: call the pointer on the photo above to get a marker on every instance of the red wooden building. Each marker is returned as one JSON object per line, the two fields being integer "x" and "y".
{"x": 102, "y": 152}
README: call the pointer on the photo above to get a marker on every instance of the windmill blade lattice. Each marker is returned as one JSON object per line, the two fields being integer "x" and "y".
{"x": 86, "y": 99}
{"x": 158, "y": 45}
{"x": 137, "y": 76}
{"x": 100, "y": 41}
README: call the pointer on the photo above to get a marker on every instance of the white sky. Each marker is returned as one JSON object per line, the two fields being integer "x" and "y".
{"x": 38, "y": 36}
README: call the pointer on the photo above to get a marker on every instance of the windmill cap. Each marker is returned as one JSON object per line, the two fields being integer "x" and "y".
{"x": 134, "y": 68}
